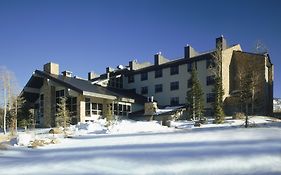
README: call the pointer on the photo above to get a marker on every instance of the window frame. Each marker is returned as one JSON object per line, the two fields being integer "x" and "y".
{"x": 158, "y": 73}
{"x": 174, "y": 70}
{"x": 144, "y": 76}
{"x": 158, "y": 88}
{"x": 174, "y": 86}
{"x": 131, "y": 78}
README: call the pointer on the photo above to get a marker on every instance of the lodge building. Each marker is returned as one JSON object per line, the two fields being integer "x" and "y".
{"x": 124, "y": 90}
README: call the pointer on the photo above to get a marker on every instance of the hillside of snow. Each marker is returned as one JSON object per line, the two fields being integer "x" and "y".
{"x": 130, "y": 147}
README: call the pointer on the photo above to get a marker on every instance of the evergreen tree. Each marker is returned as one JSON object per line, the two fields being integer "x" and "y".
{"x": 246, "y": 90}
{"x": 108, "y": 114}
{"x": 62, "y": 115}
{"x": 218, "y": 89}
{"x": 194, "y": 98}
{"x": 25, "y": 117}
{"x": 218, "y": 103}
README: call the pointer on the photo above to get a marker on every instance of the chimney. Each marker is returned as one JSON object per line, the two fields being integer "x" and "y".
{"x": 133, "y": 65}
{"x": 109, "y": 69}
{"x": 92, "y": 75}
{"x": 189, "y": 52}
{"x": 51, "y": 68}
{"x": 221, "y": 43}
{"x": 67, "y": 73}
{"x": 159, "y": 59}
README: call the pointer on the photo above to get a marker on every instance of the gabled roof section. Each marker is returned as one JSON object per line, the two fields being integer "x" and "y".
{"x": 82, "y": 86}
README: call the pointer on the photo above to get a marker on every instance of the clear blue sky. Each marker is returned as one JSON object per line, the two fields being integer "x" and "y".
{"x": 88, "y": 35}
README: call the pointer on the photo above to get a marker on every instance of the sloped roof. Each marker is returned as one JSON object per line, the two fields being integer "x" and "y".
{"x": 81, "y": 86}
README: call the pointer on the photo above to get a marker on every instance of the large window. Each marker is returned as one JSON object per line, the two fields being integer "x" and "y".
{"x": 210, "y": 97}
{"x": 158, "y": 88}
{"x": 87, "y": 106}
{"x": 174, "y": 85}
{"x": 144, "y": 90}
{"x": 144, "y": 76}
{"x": 174, "y": 70}
{"x": 71, "y": 104}
{"x": 122, "y": 109}
{"x": 158, "y": 73}
{"x": 131, "y": 79}
{"x": 59, "y": 94}
{"x": 174, "y": 101}
{"x": 97, "y": 109}
{"x": 210, "y": 80}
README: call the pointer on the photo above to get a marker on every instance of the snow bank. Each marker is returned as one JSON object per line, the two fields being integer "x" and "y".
{"x": 24, "y": 139}
{"x": 118, "y": 127}
{"x": 130, "y": 126}
{"x": 97, "y": 127}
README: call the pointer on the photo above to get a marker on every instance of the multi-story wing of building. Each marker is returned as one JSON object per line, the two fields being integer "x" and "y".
{"x": 123, "y": 90}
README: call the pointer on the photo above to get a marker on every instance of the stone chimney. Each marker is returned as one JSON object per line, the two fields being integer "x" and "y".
{"x": 51, "y": 68}
{"x": 67, "y": 73}
{"x": 150, "y": 107}
{"x": 221, "y": 43}
{"x": 159, "y": 59}
{"x": 189, "y": 52}
{"x": 134, "y": 65}
{"x": 109, "y": 69}
{"x": 92, "y": 75}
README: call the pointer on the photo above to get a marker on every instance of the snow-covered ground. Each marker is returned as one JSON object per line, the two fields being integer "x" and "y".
{"x": 148, "y": 148}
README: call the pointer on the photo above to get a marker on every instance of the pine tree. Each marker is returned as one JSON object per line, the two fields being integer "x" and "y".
{"x": 218, "y": 89}
{"x": 108, "y": 114}
{"x": 195, "y": 98}
{"x": 62, "y": 115}
{"x": 246, "y": 90}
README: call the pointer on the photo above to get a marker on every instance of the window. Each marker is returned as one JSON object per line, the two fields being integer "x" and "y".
{"x": 174, "y": 101}
{"x": 96, "y": 109}
{"x": 122, "y": 109}
{"x": 158, "y": 88}
{"x": 143, "y": 76}
{"x": 158, "y": 73}
{"x": 210, "y": 63}
{"x": 59, "y": 94}
{"x": 129, "y": 108}
{"x": 71, "y": 105}
{"x": 174, "y": 70}
{"x": 189, "y": 83}
{"x": 210, "y": 97}
{"x": 144, "y": 90}
{"x": 210, "y": 80}
{"x": 189, "y": 66}
{"x": 87, "y": 107}
{"x": 131, "y": 79}
{"x": 174, "y": 85}
{"x": 115, "y": 109}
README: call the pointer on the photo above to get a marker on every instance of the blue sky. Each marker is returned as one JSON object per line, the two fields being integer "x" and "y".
{"x": 89, "y": 35}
